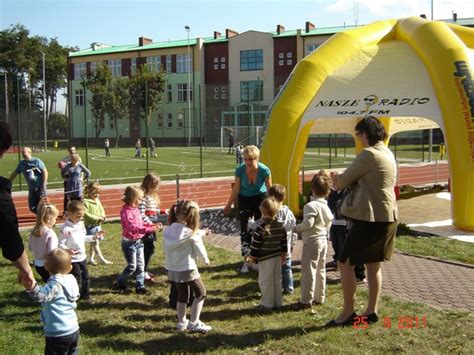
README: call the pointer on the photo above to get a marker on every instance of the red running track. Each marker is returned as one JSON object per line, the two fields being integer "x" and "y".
{"x": 214, "y": 192}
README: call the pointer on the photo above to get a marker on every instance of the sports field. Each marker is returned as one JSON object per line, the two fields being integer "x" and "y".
{"x": 122, "y": 167}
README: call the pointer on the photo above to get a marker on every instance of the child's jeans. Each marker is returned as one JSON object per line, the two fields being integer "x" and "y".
{"x": 313, "y": 270}
{"x": 67, "y": 344}
{"x": 133, "y": 253}
{"x": 80, "y": 272}
{"x": 287, "y": 276}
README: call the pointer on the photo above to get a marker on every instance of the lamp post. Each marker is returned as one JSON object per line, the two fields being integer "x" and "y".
{"x": 188, "y": 29}
{"x": 4, "y": 72}
{"x": 44, "y": 106}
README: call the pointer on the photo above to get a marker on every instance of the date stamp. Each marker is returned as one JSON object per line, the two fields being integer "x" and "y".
{"x": 400, "y": 322}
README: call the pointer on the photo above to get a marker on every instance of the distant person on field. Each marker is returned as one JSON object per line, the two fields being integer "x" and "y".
{"x": 317, "y": 219}
{"x": 36, "y": 176}
{"x": 152, "y": 148}
{"x": 183, "y": 245}
{"x": 93, "y": 218}
{"x": 10, "y": 238}
{"x": 138, "y": 148}
{"x": 61, "y": 164}
{"x": 58, "y": 302}
{"x": 73, "y": 239}
{"x": 239, "y": 153}
{"x": 43, "y": 239}
{"x": 133, "y": 230}
{"x": 231, "y": 143}
{"x": 269, "y": 248}
{"x": 107, "y": 147}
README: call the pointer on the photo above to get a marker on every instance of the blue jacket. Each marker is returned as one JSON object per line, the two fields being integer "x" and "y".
{"x": 58, "y": 299}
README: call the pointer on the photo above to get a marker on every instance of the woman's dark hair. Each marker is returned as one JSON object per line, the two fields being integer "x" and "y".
{"x": 373, "y": 129}
{"x": 5, "y": 136}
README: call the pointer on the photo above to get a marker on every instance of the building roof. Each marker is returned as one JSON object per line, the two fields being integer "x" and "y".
{"x": 192, "y": 41}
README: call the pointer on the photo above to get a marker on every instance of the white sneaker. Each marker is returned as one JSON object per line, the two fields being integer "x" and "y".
{"x": 244, "y": 269}
{"x": 199, "y": 327}
{"x": 182, "y": 326}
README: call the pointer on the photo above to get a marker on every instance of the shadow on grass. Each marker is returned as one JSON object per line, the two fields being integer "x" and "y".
{"x": 186, "y": 342}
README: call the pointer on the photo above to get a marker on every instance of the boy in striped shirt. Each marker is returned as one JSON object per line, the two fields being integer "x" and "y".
{"x": 269, "y": 249}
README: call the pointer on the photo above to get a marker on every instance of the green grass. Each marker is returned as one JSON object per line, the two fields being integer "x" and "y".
{"x": 112, "y": 323}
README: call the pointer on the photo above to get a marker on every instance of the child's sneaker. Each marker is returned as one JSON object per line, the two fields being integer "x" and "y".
{"x": 122, "y": 289}
{"x": 181, "y": 327}
{"x": 244, "y": 269}
{"x": 142, "y": 291}
{"x": 199, "y": 327}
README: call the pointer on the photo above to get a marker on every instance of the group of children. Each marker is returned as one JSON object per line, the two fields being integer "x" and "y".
{"x": 61, "y": 262}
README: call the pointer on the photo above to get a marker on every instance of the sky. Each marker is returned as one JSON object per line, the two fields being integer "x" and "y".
{"x": 118, "y": 22}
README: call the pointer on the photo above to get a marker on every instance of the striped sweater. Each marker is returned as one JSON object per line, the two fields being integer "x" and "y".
{"x": 268, "y": 244}
{"x": 149, "y": 209}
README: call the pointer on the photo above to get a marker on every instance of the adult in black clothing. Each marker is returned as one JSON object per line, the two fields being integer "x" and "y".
{"x": 231, "y": 143}
{"x": 10, "y": 239}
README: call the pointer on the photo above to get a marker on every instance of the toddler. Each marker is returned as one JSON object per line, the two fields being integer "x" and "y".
{"x": 269, "y": 248}
{"x": 43, "y": 239}
{"x": 183, "y": 245}
{"x": 94, "y": 216}
{"x": 72, "y": 239}
{"x": 149, "y": 209}
{"x": 315, "y": 228}
{"x": 58, "y": 300}
{"x": 133, "y": 230}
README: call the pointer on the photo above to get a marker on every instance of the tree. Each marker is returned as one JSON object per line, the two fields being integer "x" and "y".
{"x": 142, "y": 81}
{"x": 99, "y": 85}
{"x": 57, "y": 125}
{"x": 119, "y": 104}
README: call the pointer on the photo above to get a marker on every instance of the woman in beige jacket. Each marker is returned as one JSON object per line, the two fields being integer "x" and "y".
{"x": 372, "y": 213}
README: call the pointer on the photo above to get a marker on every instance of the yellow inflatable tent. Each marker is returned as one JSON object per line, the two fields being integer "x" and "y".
{"x": 411, "y": 73}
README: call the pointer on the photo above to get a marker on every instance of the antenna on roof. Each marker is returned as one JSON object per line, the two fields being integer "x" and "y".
{"x": 355, "y": 8}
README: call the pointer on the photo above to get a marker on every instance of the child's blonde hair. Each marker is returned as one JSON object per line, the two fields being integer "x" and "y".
{"x": 92, "y": 188}
{"x": 188, "y": 212}
{"x": 75, "y": 206}
{"x": 270, "y": 207}
{"x": 321, "y": 185}
{"x": 47, "y": 214}
{"x": 58, "y": 262}
{"x": 131, "y": 194}
{"x": 278, "y": 192}
{"x": 150, "y": 185}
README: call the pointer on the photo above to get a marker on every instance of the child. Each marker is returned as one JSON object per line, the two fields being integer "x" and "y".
{"x": 138, "y": 148}
{"x": 72, "y": 239}
{"x": 269, "y": 248}
{"x": 314, "y": 228}
{"x": 58, "y": 300}
{"x": 288, "y": 220}
{"x": 239, "y": 153}
{"x": 43, "y": 239}
{"x": 183, "y": 244}
{"x": 107, "y": 147}
{"x": 149, "y": 210}
{"x": 93, "y": 218}
{"x": 133, "y": 230}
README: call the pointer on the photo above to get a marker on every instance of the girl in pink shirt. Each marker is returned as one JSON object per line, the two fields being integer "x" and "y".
{"x": 133, "y": 230}
{"x": 43, "y": 239}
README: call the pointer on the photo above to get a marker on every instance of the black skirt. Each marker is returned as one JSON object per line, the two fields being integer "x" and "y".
{"x": 368, "y": 242}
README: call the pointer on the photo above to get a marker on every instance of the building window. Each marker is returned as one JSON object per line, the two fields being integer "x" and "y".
{"x": 251, "y": 90}
{"x": 222, "y": 59}
{"x": 133, "y": 66}
{"x": 223, "y": 66}
{"x": 183, "y": 93}
{"x": 79, "y": 97}
{"x": 224, "y": 96}
{"x": 80, "y": 70}
{"x": 93, "y": 68}
{"x": 310, "y": 47}
{"x": 251, "y": 60}
{"x": 159, "y": 120}
{"x": 216, "y": 66}
{"x": 289, "y": 55}
{"x": 169, "y": 93}
{"x": 223, "y": 89}
{"x": 180, "y": 120}
{"x": 289, "y": 62}
{"x": 169, "y": 65}
{"x": 281, "y": 62}
{"x": 170, "y": 120}
{"x": 281, "y": 55}
{"x": 216, "y": 59}
{"x": 216, "y": 96}
{"x": 115, "y": 66}
{"x": 153, "y": 63}
{"x": 216, "y": 89}
{"x": 183, "y": 63}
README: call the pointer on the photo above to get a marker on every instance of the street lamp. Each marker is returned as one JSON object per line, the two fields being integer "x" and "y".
{"x": 4, "y": 72}
{"x": 44, "y": 105}
{"x": 188, "y": 29}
